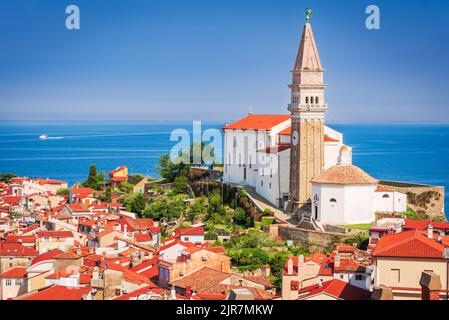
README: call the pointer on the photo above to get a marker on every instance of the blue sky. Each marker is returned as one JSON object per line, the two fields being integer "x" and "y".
{"x": 215, "y": 60}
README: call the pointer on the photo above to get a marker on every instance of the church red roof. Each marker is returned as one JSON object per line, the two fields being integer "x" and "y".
{"x": 258, "y": 122}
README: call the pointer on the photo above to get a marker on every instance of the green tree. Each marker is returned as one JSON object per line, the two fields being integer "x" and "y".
{"x": 63, "y": 192}
{"x": 180, "y": 184}
{"x": 242, "y": 218}
{"x": 6, "y": 177}
{"x": 164, "y": 208}
{"x": 138, "y": 203}
{"x": 95, "y": 180}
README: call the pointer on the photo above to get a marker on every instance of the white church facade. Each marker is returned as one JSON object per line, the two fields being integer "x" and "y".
{"x": 258, "y": 148}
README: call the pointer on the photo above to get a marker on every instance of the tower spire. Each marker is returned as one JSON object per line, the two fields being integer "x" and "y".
{"x": 308, "y": 57}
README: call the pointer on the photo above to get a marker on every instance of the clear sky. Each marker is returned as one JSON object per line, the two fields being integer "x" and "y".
{"x": 216, "y": 59}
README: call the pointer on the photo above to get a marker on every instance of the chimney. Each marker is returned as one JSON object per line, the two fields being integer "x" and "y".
{"x": 430, "y": 231}
{"x": 337, "y": 261}
{"x": 290, "y": 266}
{"x": 188, "y": 292}
{"x": 382, "y": 293}
{"x": 430, "y": 286}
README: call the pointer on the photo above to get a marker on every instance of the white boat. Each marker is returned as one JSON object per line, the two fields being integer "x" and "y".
{"x": 43, "y": 137}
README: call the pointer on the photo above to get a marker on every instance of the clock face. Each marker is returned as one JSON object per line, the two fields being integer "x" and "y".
{"x": 295, "y": 137}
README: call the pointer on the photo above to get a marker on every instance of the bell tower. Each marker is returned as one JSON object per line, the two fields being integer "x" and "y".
{"x": 307, "y": 108}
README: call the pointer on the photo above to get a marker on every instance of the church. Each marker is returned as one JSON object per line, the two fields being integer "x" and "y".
{"x": 299, "y": 164}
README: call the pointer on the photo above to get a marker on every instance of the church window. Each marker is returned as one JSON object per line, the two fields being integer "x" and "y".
{"x": 307, "y": 99}
{"x": 333, "y": 200}
{"x": 317, "y": 100}
{"x": 311, "y": 100}
{"x": 385, "y": 196}
{"x": 270, "y": 185}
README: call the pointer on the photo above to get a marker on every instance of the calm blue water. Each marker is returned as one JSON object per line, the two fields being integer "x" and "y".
{"x": 403, "y": 152}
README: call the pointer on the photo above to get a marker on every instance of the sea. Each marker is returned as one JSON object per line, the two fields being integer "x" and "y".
{"x": 410, "y": 152}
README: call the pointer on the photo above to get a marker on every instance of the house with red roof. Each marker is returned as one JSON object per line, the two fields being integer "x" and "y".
{"x": 346, "y": 263}
{"x": 76, "y": 210}
{"x": 193, "y": 235}
{"x": 58, "y": 292}
{"x": 205, "y": 283}
{"x": 13, "y": 283}
{"x": 15, "y": 255}
{"x": 52, "y": 185}
{"x": 118, "y": 175}
{"x": 190, "y": 259}
{"x": 84, "y": 195}
{"x": 50, "y": 240}
{"x": 401, "y": 258}
{"x": 333, "y": 290}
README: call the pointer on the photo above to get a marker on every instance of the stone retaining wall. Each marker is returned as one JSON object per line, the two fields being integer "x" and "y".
{"x": 289, "y": 232}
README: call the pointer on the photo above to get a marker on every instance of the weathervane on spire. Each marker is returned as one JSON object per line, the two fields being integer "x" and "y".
{"x": 308, "y": 15}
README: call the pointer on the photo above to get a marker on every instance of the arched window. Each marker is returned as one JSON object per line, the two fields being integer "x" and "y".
{"x": 307, "y": 99}
{"x": 317, "y": 100}
{"x": 386, "y": 196}
{"x": 333, "y": 200}
{"x": 311, "y": 100}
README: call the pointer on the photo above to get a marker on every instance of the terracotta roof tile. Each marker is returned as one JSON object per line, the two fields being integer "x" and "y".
{"x": 344, "y": 174}
{"x": 258, "y": 122}
{"x": 412, "y": 243}
{"x": 337, "y": 289}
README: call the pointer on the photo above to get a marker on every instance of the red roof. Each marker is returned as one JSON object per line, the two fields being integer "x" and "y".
{"x": 30, "y": 228}
{"x": 119, "y": 179}
{"x": 50, "y": 181}
{"x": 138, "y": 224}
{"x": 196, "y": 231}
{"x": 55, "y": 234}
{"x": 20, "y": 239}
{"x": 14, "y": 273}
{"x": 318, "y": 258}
{"x": 143, "y": 237}
{"x": 12, "y": 200}
{"x": 82, "y": 191}
{"x": 117, "y": 170}
{"x": 258, "y": 122}
{"x": 77, "y": 207}
{"x": 413, "y": 243}
{"x": 46, "y": 256}
{"x": 423, "y": 224}
{"x": 60, "y": 293}
{"x": 335, "y": 288}
{"x": 329, "y": 139}
{"x": 17, "y": 249}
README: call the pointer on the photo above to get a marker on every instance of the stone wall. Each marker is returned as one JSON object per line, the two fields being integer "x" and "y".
{"x": 289, "y": 232}
{"x": 436, "y": 198}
